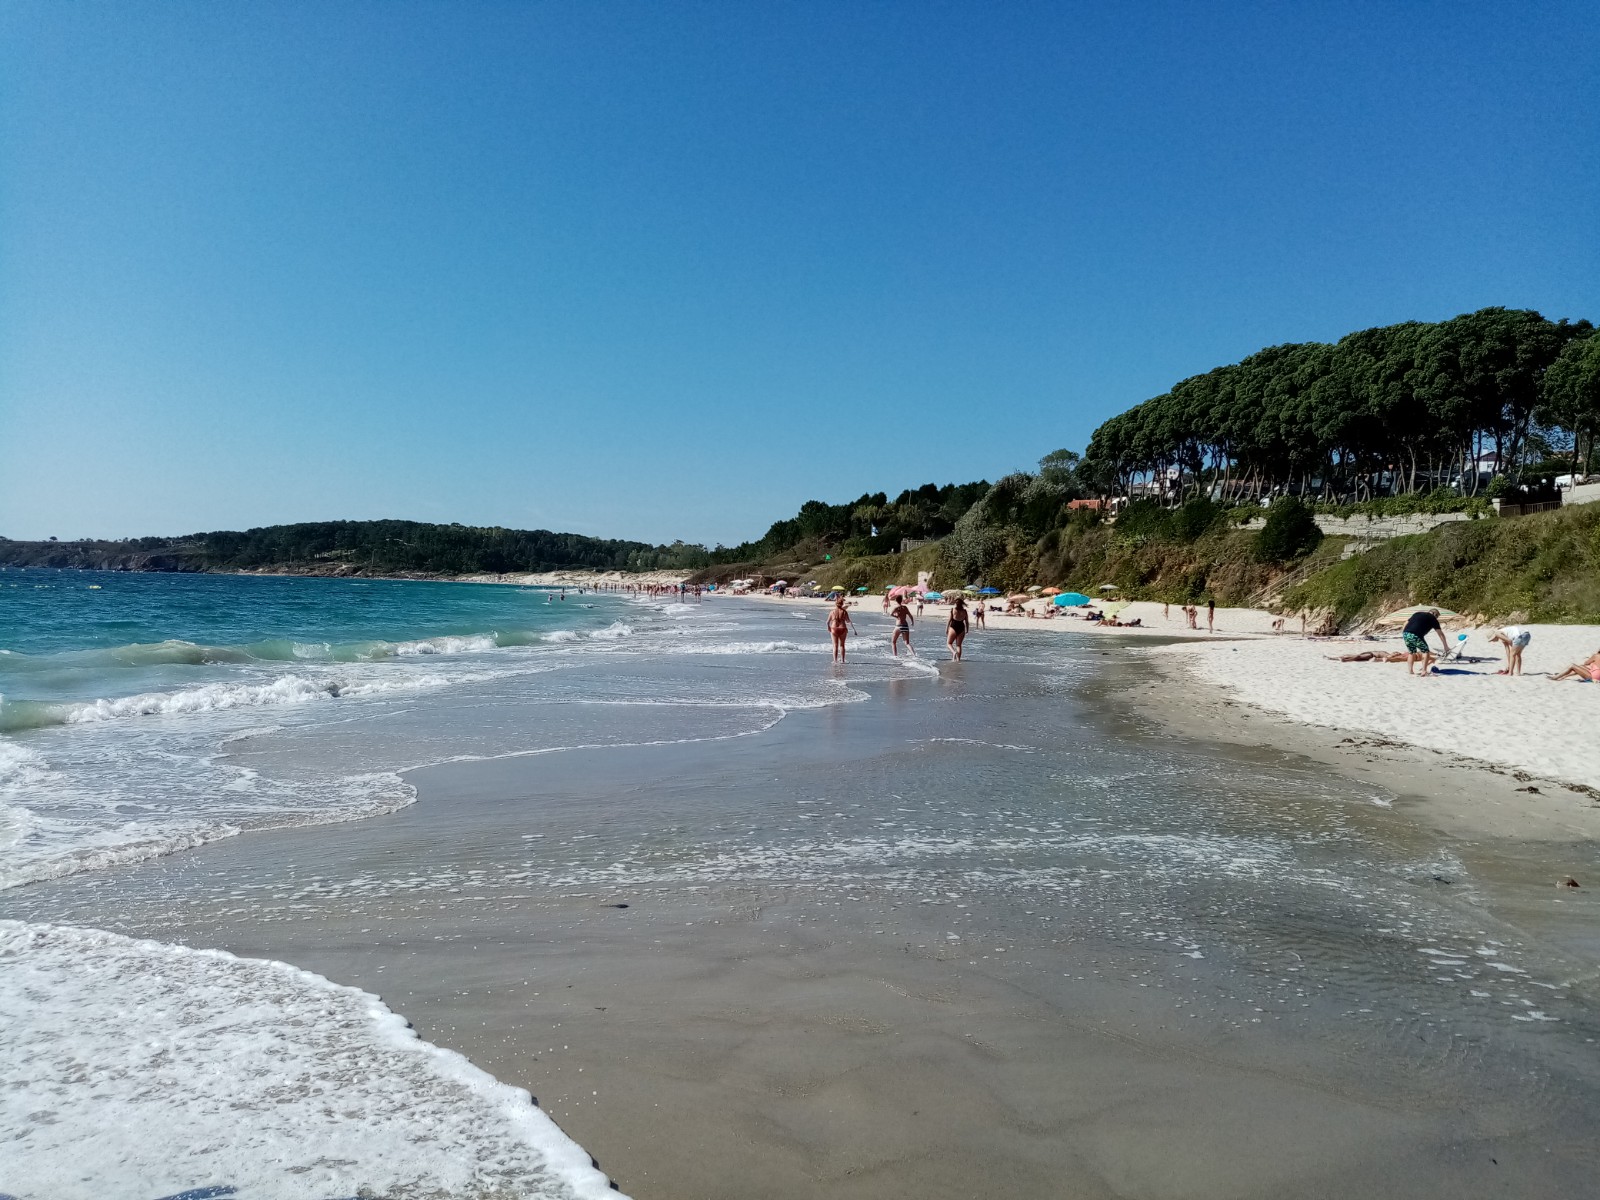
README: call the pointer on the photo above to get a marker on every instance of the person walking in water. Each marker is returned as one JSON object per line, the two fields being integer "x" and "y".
{"x": 903, "y": 622}
{"x": 840, "y": 626}
{"x": 956, "y": 629}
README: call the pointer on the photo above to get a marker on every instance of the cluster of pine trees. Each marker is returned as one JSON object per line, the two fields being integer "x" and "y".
{"x": 1395, "y": 409}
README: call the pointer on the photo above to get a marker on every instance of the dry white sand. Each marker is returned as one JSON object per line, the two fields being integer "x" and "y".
{"x": 1528, "y": 723}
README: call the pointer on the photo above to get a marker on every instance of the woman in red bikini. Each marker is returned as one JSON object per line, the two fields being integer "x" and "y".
{"x": 840, "y": 626}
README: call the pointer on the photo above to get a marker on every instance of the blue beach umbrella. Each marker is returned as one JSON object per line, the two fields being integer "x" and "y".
{"x": 933, "y": 595}
{"x": 1071, "y": 600}
{"x": 988, "y": 591}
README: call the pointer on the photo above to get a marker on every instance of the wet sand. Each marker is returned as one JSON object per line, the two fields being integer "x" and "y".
{"x": 730, "y": 1036}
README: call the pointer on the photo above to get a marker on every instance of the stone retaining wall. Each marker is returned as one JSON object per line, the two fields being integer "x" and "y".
{"x": 1378, "y": 528}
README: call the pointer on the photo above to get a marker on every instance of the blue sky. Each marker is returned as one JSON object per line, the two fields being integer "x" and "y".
{"x": 665, "y": 270}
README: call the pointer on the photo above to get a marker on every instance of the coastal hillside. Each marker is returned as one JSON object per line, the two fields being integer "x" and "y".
{"x": 405, "y": 548}
{"x": 1414, "y": 419}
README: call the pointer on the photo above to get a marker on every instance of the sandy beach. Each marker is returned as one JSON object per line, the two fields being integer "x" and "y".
{"x": 1464, "y": 713}
{"x": 989, "y": 928}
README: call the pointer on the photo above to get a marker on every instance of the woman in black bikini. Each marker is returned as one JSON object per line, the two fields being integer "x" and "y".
{"x": 902, "y": 629}
{"x": 956, "y": 631}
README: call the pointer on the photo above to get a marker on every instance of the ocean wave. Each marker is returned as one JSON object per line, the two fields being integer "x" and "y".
{"x": 177, "y": 652}
{"x": 16, "y": 715}
{"x": 250, "y": 1074}
{"x": 773, "y": 647}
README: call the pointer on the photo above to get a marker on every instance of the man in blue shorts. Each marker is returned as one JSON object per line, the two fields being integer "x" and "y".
{"x": 1415, "y": 635}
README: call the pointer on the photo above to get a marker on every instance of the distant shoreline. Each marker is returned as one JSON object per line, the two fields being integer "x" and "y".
{"x": 566, "y": 577}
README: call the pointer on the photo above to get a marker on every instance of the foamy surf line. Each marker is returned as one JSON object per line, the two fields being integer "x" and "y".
{"x": 136, "y": 1068}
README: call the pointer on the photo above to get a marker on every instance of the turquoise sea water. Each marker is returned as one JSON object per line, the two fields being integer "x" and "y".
{"x": 143, "y": 714}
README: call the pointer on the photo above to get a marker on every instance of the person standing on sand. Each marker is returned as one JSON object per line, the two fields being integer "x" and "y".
{"x": 1515, "y": 639}
{"x": 956, "y": 629}
{"x": 1415, "y": 635}
{"x": 1211, "y": 616}
{"x": 840, "y": 626}
{"x": 903, "y": 621}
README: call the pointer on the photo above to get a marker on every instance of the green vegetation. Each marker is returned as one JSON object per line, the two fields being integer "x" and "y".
{"x": 1289, "y": 533}
{"x": 1545, "y": 567}
{"x": 1395, "y": 409}
{"x": 365, "y": 547}
{"x": 1407, "y": 504}
{"x": 872, "y": 524}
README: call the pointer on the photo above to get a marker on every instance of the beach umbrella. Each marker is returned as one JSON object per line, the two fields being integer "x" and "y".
{"x": 1114, "y": 608}
{"x": 933, "y": 596}
{"x": 1050, "y": 591}
{"x": 1037, "y": 587}
{"x": 903, "y": 590}
{"x": 1401, "y": 615}
{"x": 1071, "y": 600}
{"x": 862, "y": 588}
{"x": 1109, "y": 587}
{"x": 988, "y": 591}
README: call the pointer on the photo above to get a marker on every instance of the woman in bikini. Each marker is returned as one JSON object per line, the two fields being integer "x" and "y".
{"x": 956, "y": 629}
{"x": 840, "y": 626}
{"x": 903, "y": 621}
{"x": 1588, "y": 669}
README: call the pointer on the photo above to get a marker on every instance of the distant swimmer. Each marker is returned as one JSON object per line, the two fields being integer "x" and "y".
{"x": 841, "y": 626}
{"x": 956, "y": 629}
{"x": 903, "y": 621}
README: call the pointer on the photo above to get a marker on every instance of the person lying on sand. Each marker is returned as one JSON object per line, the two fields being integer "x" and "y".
{"x": 1588, "y": 669}
{"x": 1371, "y": 656}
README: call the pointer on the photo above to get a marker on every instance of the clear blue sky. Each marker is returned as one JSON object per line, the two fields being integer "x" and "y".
{"x": 664, "y": 270}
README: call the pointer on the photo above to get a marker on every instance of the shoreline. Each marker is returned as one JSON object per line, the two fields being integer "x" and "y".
{"x": 1523, "y": 739}
{"x": 1457, "y": 795}
{"x": 693, "y": 1032}
{"x": 571, "y": 578}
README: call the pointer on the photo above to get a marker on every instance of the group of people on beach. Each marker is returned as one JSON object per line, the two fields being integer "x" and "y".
{"x": 1513, "y": 639}
{"x": 841, "y": 625}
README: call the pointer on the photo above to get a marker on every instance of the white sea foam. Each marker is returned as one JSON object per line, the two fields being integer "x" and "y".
{"x": 225, "y": 1072}
{"x": 468, "y": 644}
{"x": 215, "y": 697}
